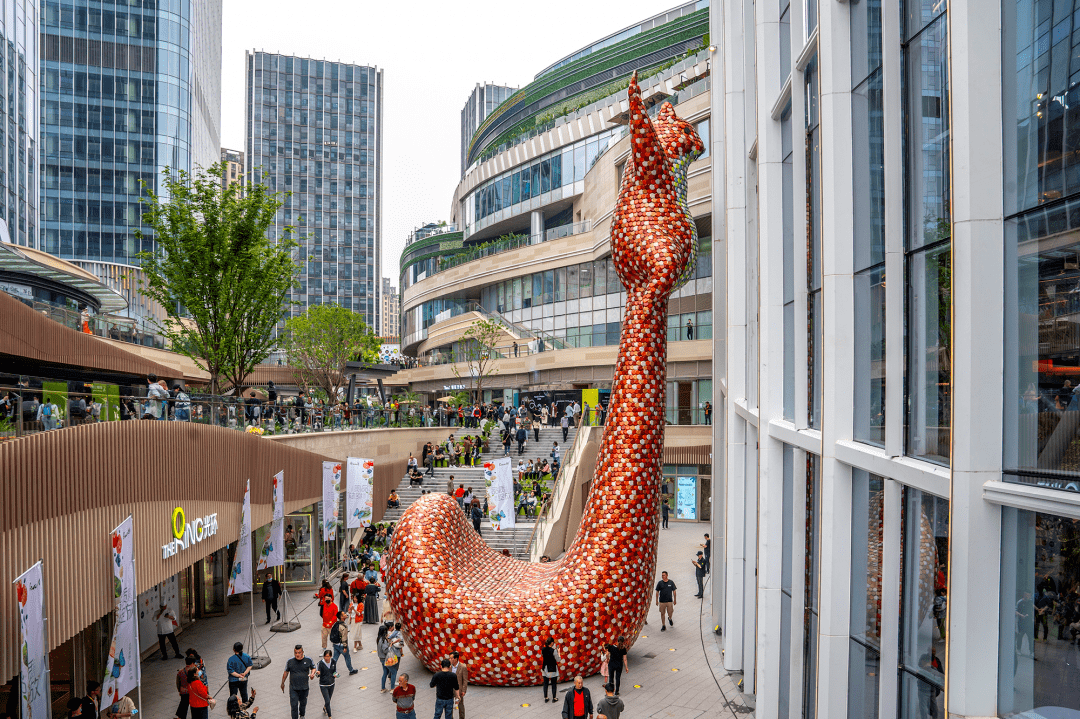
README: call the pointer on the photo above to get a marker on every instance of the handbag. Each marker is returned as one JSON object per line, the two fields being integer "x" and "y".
{"x": 391, "y": 659}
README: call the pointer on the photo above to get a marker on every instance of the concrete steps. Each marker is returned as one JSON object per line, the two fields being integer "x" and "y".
{"x": 515, "y": 540}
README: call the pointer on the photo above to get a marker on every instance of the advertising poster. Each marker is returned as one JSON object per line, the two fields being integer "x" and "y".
{"x": 122, "y": 670}
{"x": 686, "y": 498}
{"x": 240, "y": 576}
{"x": 273, "y": 548}
{"x": 358, "y": 498}
{"x": 499, "y": 480}
{"x": 331, "y": 492}
{"x": 149, "y": 602}
{"x": 33, "y": 657}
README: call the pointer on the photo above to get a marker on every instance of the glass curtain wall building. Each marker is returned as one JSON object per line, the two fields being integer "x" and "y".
{"x": 481, "y": 102}
{"x": 126, "y": 91}
{"x": 898, "y": 411}
{"x": 19, "y": 118}
{"x": 314, "y": 130}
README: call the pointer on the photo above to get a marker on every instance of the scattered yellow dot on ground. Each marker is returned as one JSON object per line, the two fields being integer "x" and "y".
{"x": 524, "y": 705}
{"x": 363, "y": 688}
{"x": 674, "y": 670}
{"x": 637, "y": 686}
{"x": 672, "y": 649}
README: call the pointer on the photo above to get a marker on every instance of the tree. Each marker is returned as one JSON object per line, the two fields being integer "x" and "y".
{"x": 478, "y": 354}
{"x": 224, "y": 285}
{"x": 321, "y": 340}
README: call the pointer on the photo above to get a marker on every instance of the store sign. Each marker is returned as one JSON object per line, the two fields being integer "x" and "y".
{"x": 451, "y": 387}
{"x": 186, "y": 533}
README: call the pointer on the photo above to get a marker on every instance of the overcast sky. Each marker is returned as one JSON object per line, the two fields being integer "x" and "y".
{"x": 432, "y": 54}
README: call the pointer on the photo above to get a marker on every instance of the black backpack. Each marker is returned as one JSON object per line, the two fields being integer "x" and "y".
{"x": 335, "y": 633}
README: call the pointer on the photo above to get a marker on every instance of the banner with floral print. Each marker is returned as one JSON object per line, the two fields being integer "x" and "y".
{"x": 240, "y": 576}
{"x": 273, "y": 548}
{"x": 122, "y": 672}
{"x": 331, "y": 473}
{"x": 499, "y": 480}
{"x": 34, "y": 653}
{"x": 358, "y": 495}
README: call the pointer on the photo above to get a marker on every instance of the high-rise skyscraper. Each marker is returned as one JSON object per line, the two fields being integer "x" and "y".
{"x": 483, "y": 99}
{"x": 314, "y": 129}
{"x": 19, "y": 112}
{"x": 233, "y": 162}
{"x": 127, "y": 91}
{"x": 390, "y": 311}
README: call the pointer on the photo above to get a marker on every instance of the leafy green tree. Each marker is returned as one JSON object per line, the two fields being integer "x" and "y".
{"x": 223, "y": 283}
{"x": 321, "y": 340}
{"x": 478, "y": 354}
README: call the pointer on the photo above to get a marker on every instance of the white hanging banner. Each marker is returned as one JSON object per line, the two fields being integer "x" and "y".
{"x": 360, "y": 487}
{"x": 499, "y": 480}
{"x": 122, "y": 672}
{"x": 34, "y": 653}
{"x": 331, "y": 487}
{"x": 273, "y": 548}
{"x": 240, "y": 577}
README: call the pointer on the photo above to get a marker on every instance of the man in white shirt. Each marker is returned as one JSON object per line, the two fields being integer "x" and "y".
{"x": 155, "y": 393}
{"x": 166, "y": 628}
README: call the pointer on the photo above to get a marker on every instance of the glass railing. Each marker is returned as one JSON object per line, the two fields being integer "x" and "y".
{"x": 44, "y": 405}
{"x": 687, "y": 416}
{"x": 511, "y": 243}
{"x": 122, "y": 329}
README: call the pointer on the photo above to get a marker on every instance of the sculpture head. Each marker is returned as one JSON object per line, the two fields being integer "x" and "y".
{"x": 677, "y": 136}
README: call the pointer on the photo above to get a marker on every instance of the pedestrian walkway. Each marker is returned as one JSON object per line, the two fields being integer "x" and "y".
{"x": 670, "y": 673}
{"x": 515, "y": 540}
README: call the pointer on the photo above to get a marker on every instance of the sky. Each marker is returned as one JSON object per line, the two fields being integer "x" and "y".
{"x": 432, "y": 54}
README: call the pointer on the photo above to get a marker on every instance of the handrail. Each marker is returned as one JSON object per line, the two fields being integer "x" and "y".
{"x": 543, "y": 516}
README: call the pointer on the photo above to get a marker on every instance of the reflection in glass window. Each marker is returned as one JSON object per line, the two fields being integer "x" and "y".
{"x": 867, "y": 511}
{"x": 703, "y": 132}
{"x": 870, "y": 356}
{"x": 1040, "y": 601}
{"x": 783, "y": 699}
{"x": 788, "y": 199}
{"x": 812, "y": 544}
{"x": 929, "y": 355}
{"x": 924, "y": 594}
{"x": 927, "y": 120}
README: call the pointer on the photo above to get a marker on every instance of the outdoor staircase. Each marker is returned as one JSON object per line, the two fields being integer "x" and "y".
{"x": 516, "y": 540}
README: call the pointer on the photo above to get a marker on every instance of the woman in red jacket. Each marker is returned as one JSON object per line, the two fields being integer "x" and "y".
{"x": 198, "y": 695}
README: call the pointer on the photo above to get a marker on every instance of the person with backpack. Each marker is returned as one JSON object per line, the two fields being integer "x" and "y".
{"x": 339, "y": 637}
{"x": 47, "y": 413}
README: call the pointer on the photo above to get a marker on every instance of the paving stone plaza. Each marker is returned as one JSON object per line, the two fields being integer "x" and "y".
{"x": 674, "y": 673}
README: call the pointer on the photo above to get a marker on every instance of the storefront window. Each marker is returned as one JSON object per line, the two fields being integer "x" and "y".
{"x": 688, "y": 487}
{"x": 867, "y": 505}
{"x": 299, "y": 546}
{"x": 212, "y": 572}
{"x": 1042, "y": 339}
{"x": 1040, "y": 581}
{"x": 923, "y": 603}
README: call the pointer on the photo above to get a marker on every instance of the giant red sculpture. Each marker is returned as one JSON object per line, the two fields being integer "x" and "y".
{"x": 453, "y": 593}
